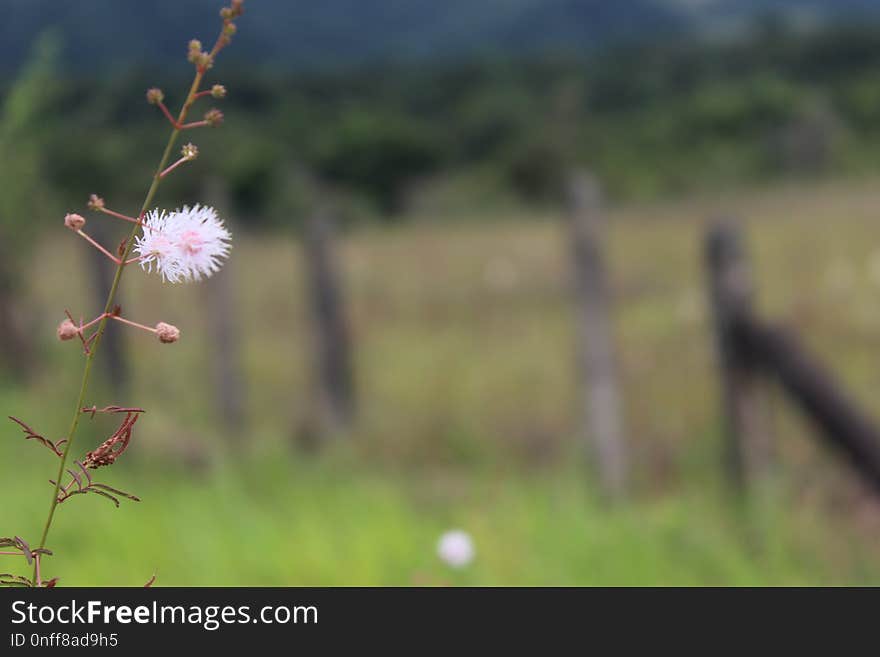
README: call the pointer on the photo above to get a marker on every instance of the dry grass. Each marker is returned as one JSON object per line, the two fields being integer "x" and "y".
{"x": 464, "y": 339}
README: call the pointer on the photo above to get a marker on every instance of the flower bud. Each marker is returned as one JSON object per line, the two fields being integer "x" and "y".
{"x": 204, "y": 60}
{"x": 235, "y": 10}
{"x": 155, "y": 96}
{"x": 195, "y": 51}
{"x": 214, "y": 117}
{"x": 67, "y": 330}
{"x": 95, "y": 203}
{"x": 218, "y": 91}
{"x": 229, "y": 29}
{"x": 74, "y": 221}
{"x": 190, "y": 151}
{"x": 167, "y": 333}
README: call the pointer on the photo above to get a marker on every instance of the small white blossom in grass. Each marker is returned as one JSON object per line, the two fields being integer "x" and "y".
{"x": 184, "y": 245}
{"x": 456, "y": 548}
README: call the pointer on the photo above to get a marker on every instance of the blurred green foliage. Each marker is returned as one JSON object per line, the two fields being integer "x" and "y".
{"x": 653, "y": 121}
{"x": 26, "y": 114}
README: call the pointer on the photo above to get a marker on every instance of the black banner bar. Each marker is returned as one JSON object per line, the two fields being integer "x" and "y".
{"x": 564, "y": 620}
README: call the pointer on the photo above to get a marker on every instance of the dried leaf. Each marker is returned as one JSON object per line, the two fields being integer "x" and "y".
{"x": 91, "y": 410}
{"x": 24, "y": 547}
{"x": 8, "y": 579}
{"x": 76, "y": 478}
{"x": 30, "y": 434}
{"x": 85, "y": 471}
{"x": 103, "y": 494}
{"x": 63, "y": 497}
{"x": 111, "y": 449}
{"x": 116, "y": 491}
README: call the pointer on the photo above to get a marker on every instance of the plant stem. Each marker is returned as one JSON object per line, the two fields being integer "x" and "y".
{"x": 108, "y": 307}
{"x": 131, "y": 323}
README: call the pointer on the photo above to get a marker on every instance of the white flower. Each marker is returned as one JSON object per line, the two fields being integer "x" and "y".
{"x": 456, "y": 548}
{"x": 155, "y": 247}
{"x": 184, "y": 245}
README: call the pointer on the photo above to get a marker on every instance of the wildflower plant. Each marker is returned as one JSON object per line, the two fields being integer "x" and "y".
{"x": 183, "y": 245}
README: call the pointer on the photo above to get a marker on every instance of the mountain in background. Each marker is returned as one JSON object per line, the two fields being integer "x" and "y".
{"x": 306, "y": 34}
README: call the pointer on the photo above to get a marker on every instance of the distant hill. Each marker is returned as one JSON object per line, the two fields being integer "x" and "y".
{"x": 317, "y": 33}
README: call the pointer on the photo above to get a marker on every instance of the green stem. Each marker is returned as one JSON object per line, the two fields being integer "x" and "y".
{"x": 108, "y": 307}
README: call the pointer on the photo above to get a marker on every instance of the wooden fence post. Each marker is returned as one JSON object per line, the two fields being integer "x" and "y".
{"x": 226, "y": 343}
{"x": 749, "y": 451}
{"x": 819, "y": 396}
{"x": 602, "y": 400}
{"x": 334, "y": 388}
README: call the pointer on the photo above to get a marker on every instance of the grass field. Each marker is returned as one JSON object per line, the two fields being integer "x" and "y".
{"x": 468, "y": 412}
{"x": 274, "y": 522}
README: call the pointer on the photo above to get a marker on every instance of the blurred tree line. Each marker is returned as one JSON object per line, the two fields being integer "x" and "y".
{"x": 653, "y": 120}
{"x": 26, "y": 113}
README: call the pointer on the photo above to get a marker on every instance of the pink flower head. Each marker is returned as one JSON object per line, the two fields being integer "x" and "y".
{"x": 184, "y": 245}
{"x": 167, "y": 333}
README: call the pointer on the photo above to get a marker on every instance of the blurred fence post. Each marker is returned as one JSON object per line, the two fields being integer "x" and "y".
{"x": 16, "y": 351}
{"x": 113, "y": 350}
{"x": 226, "y": 343}
{"x": 815, "y": 391}
{"x": 333, "y": 380}
{"x": 603, "y": 422}
{"x": 749, "y": 452}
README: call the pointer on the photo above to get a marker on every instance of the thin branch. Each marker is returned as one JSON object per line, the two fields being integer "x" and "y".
{"x": 119, "y": 215}
{"x": 174, "y": 166}
{"x": 100, "y": 248}
{"x": 168, "y": 116}
{"x": 131, "y": 323}
{"x": 194, "y": 124}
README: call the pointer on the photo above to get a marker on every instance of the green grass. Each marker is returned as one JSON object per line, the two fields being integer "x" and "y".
{"x": 467, "y": 382}
{"x": 273, "y": 521}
